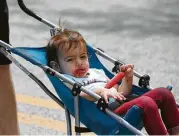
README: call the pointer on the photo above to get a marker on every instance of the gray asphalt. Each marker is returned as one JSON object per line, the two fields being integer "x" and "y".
{"x": 143, "y": 32}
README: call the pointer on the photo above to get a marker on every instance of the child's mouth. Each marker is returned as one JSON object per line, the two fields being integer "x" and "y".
{"x": 80, "y": 72}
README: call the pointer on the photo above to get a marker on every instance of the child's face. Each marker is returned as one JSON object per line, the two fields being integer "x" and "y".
{"x": 74, "y": 62}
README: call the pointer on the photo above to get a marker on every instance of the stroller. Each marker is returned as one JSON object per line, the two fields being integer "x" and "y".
{"x": 97, "y": 118}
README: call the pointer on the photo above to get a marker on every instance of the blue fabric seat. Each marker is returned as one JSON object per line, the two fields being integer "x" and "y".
{"x": 97, "y": 121}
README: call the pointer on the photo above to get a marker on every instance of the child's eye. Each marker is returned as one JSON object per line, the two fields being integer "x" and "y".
{"x": 83, "y": 57}
{"x": 68, "y": 60}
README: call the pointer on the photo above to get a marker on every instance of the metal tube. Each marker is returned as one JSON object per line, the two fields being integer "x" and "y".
{"x": 33, "y": 77}
{"x": 77, "y": 115}
{"x": 5, "y": 45}
{"x": 123, "y": 122}
{"x": 104, "y": 55}
{"x": 68, "y": 121}
{"x": 49, "y": 23}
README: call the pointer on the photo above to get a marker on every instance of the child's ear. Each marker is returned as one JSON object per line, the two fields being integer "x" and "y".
{"x": 55, "y": 66}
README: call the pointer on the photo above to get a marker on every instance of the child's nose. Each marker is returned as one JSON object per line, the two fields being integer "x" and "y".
{"x": 78, "y": 62}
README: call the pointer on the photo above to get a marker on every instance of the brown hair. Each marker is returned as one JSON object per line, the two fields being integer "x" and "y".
{"x": 63, "y": 41}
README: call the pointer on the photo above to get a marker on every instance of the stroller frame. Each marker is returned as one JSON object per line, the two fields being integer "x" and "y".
{"x": 143, "y": 80}
{"x": 76, "y": 96}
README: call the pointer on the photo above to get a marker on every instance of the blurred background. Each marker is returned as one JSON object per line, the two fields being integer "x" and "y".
{"x": 142, "y": 32}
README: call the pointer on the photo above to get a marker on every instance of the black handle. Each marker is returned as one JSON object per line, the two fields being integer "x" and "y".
{"x": 28, "y": 11}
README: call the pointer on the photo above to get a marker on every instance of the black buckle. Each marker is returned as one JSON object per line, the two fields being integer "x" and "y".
{"x": 76, "y": 89}
{"x": 102, "y": 105}
{"x": 116, "y": 67}
{"x": 144, "y": 81}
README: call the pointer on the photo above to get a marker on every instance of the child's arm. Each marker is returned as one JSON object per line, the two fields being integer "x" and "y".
{"x": 104, "y": 92}
{"x": 126, "y": 86}
{"x": 117, "y": 92}
{"x": 101, "y": 92}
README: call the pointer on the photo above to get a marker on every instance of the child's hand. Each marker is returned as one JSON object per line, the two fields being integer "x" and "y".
{"x": 128, "y": 70}
{"x": 107, "y": 93}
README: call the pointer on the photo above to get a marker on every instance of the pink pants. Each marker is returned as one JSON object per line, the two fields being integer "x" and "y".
{"x": 162, "y": 98}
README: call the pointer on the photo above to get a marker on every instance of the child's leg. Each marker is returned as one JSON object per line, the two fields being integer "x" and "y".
{"x": 169, "y": 110}
{"x": 151, "y": 117}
